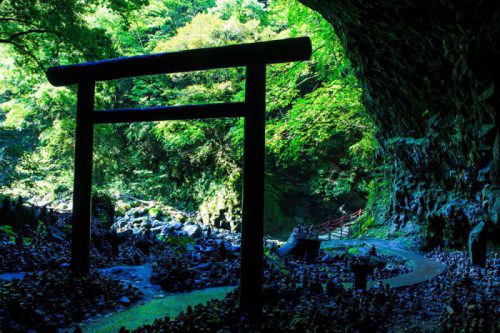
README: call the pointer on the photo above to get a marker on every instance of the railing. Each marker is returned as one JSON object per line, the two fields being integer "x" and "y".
{"x": 331, "y": 225}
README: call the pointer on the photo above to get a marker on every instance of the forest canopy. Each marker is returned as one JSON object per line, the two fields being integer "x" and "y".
{"x": 319, "y": 140}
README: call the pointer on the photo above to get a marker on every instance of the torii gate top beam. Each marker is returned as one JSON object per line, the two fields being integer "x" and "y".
{"x": 272, "y": 52}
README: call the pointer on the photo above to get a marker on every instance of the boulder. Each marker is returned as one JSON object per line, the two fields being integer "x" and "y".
{"x": 203, "y": 267}
{"x": 171, "y": 228}
{"x": 125, "y": 300}
{"x": 477, "y": 245}
{"x": 157, "y": 230}
{"x": 139, "y": 220}
{"x": 157, "y": 223}
{"x": 328, "y": 259}
{"x": 235, "y": 248}
{"x": 121, "y": 222}
{"x": 299, "y": 247}
{"x": 124, "y": 234}
{"x": 176, "y": 225}
{"x": 193, "y": 231}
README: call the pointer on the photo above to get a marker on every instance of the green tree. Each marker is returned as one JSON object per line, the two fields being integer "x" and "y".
{"x": 319, "y": 140}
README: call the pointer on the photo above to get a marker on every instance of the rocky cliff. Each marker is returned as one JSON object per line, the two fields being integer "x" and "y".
{"x": 429, "y": 70}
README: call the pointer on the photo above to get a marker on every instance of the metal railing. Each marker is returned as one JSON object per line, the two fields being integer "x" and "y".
{"x": 329, "y": 226}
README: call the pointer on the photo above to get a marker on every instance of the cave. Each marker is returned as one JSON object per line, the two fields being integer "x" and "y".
{"x": 430, "y": 83}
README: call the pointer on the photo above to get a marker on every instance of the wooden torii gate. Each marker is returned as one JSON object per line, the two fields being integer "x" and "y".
{"x": 254, "y": 57}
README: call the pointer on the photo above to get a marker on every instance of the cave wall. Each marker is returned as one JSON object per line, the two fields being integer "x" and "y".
{"x": 430, "y": 74}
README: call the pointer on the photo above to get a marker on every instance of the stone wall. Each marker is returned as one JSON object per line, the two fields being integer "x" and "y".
{"x": 429, "y": 70}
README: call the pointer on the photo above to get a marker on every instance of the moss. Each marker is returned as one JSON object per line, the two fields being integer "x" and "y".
{"x": 221, "y": 208}
{"x": 144, "y": 314}
{"x": 178, "y": 242}
{"x": 9, "y": 231}
{"x": 275, "y": 261}
{"x": 353, "y": 251}
{"x": 154, "y": 212}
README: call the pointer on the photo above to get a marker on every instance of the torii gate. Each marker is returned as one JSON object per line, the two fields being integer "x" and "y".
{"x": 254, "y": 57}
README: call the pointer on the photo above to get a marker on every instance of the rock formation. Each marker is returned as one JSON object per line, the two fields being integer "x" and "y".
{"x": 302, "y": 243}
{"x": 477, "y": 245}
{"x": 429, "y": 73}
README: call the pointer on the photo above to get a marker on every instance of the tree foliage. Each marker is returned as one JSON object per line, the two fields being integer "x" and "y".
{"x": 319, "y": 140}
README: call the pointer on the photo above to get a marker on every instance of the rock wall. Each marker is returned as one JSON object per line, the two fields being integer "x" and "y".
{"x": 430, "y": 75}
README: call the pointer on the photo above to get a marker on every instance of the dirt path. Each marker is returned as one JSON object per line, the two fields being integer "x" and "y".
{"x": 425, "y": 269}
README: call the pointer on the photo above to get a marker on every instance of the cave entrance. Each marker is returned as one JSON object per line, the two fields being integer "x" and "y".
{"x": 254, "y": 57}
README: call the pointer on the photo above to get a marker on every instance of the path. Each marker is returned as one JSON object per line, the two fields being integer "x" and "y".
{"x": 425, "y": 269}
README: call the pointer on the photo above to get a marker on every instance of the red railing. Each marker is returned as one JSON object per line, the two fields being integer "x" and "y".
{"x": 331, "y": 225}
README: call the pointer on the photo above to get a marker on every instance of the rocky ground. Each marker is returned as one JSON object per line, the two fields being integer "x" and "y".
{"x": 184, "y": 253}
{"x": 462, "y": 299}
{"x": 185, "y": 256}
{"x": 50, "y": 300}
{"x": 39, "y": 253}
{"x": 303, "y": 294}
{"x": 202, "y": 265}
{"x": 47, "y": 245}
